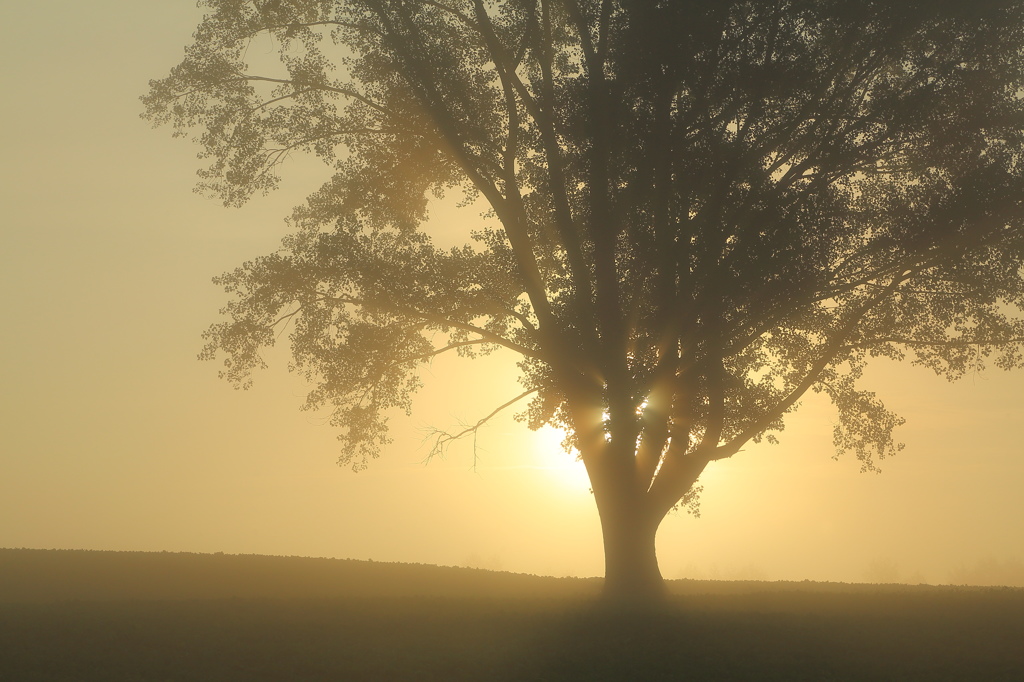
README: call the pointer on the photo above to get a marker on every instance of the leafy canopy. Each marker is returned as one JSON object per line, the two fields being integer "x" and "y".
{"x": 699, "y": 211}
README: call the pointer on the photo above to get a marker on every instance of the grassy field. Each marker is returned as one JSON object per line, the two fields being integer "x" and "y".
{"x": 72, "y": 615}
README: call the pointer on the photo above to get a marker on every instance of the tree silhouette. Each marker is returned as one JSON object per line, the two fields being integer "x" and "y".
{"x": 699, "y": 212}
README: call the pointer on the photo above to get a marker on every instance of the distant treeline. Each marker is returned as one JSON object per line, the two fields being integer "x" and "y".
{"x": 35, "y": 575}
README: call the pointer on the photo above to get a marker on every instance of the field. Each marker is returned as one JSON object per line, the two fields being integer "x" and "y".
{"x": 76, "y": 615}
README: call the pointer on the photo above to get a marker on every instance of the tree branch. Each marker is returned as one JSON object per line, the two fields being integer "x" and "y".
{"x": 445, "y": 439}
{"x": 440, "y": 320}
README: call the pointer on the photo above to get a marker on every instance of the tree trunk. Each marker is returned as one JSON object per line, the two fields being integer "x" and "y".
{"x": 631, "y": 572}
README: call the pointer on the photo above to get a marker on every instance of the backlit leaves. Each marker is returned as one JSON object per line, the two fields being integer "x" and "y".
{"x": 698, "y": 211}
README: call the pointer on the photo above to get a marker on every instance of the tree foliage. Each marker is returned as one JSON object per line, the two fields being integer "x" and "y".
{"x": 699, "y": 211}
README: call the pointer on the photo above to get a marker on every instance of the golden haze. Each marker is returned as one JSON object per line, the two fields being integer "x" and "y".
{"x": 115, "y": 437}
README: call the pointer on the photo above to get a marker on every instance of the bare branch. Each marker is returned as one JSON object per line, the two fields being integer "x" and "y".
{"x": 444, "y": 439}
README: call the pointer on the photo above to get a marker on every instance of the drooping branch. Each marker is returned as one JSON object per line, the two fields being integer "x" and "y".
{"x": 443, "y": 321}
{"x": 443, "y": 439}
{"x": 347, "y": 92}
{"x": 826, "y": 356}
{"x": 440, "y": 351}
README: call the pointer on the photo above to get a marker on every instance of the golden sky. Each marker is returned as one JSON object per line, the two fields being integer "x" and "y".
{"x": 113, "y": 435}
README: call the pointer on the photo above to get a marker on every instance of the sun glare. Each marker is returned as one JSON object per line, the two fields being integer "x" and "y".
{"x": 561, "y": 465}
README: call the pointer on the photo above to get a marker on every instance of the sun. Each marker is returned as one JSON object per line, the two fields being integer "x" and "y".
{"x": 555, "y": 461}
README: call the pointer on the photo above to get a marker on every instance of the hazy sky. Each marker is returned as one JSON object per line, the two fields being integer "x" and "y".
{"x": 113, "y": 435}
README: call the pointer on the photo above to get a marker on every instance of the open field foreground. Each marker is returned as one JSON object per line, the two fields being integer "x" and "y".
{"x": 75, "y": 615}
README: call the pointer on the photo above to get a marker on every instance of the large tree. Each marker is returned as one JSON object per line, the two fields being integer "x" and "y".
{"x": 698, "y": 212}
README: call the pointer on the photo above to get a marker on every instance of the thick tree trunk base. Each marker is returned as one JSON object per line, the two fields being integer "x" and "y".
{"x": 632, "y": 575}
{"x": 634, "y": 594}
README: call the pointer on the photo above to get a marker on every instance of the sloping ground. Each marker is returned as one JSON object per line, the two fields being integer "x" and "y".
{"x": 83, "y": 616}
{"x": 41, "y": 575}
{"x": 34, "y": 575}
